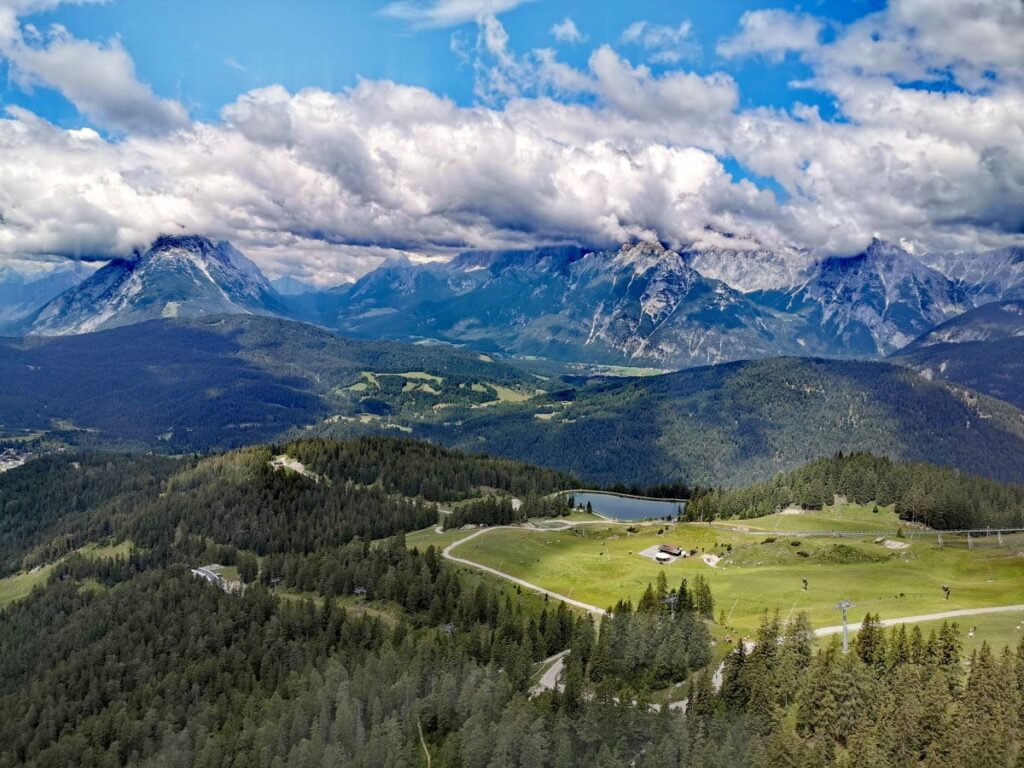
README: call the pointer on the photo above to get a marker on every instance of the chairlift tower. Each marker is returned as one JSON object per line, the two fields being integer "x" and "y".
{"x": 844, "y": 606}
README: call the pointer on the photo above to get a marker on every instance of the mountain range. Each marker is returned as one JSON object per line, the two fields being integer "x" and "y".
{"x": 22, "y": 294}
{"x": 640, "y": 304}
{"x": 647, "y": 305}
{"x": 982, "y": 349}
{"x": 179, "y": 386}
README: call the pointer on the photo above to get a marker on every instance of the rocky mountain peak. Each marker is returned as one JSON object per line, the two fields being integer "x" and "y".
{"x": 178, "y": 276}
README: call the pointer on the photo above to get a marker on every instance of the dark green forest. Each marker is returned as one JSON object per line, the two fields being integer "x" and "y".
{"x": 939, "y": 497}
{"x": 161, "y": 669}
{"x": 499, "y": 510}
{"x": 368, "y": 488}
{"x": 225, "y": 382}
{"x": 738, "y": 423}
{"x": 213, "y": 382}
{"x": 346, "y": 647}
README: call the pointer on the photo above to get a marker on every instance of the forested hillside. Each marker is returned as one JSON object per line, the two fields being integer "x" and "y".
{"x": 369, "y": 488}
{"x": 743, "y": 422}
{"x": 181, "y": 386}
{"x": 994, "y": 367}
{"x": 219, "y": 382}
{"x": 982, "y": 349}
{"x": 56, "y": 503}
{"x": 349, "y": 648}
{"x": 922, "y": 493}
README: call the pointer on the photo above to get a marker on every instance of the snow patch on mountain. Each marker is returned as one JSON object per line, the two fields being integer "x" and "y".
{"x": 987, "y": 276}
{"x": 757, "y": 269}
{"x": 182, "y": 276}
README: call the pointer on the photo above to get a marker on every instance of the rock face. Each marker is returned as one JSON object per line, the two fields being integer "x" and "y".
{"x": 875, "y": 302}
{"x": 639, "y": 304}
{"x": 990, "y": 322}
{"x": 988, "y": 276}
{"x": 21, "y": 295}
{"x": 177, "y": 277}
{"x": 982, "y": 349}
{"x": 645, "y": 304}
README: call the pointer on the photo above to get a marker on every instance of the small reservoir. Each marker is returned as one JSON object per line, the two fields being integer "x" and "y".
{"x": 619, "y": 507}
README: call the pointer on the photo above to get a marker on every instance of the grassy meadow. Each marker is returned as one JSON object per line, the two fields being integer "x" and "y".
{"x": 762, "y": 567}
{"x": 18, "y": 586}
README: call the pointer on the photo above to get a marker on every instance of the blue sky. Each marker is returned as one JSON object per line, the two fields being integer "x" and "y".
{"x": 205, "y": 53}
{"x": 322, "y": 137}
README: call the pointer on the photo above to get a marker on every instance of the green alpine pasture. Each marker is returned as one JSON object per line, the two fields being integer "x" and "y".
{"x": 762, "y": 567}
{"x": 19, "y": 585}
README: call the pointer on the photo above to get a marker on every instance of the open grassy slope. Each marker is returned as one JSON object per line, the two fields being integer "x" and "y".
{"x": 600, "y": 564}
{"x": 855, "y": 518}
{"x": 18, "y": 586}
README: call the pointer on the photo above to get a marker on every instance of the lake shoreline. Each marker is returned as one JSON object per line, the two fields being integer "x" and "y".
{"x": 624, "y": 507}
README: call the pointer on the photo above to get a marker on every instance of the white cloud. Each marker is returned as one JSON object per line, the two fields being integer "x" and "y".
{"x": 447, "y": 13}
{"x": 637, "y": 93}
{"x": 321, "y": 183}
{"x": 566, "y": 31}
{"x": 99, "y": 79}
{"x": 772, "y": 33}
{"x": 381, "y": 165}
{"x": 669, "y": 45}
{"x": 932, "y": 40}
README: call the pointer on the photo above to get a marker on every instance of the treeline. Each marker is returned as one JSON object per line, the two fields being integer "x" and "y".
{"x": 239, "y": 499}
{"x": 676, "y": 490}
{"x": 500, "y": 510}
{"x": 369, "y": 488}
{"x": 415, "y": 468}
{"x": 114, "y": 677}
{"x": 939, "y": 497}
{"x": 897, "y": 700}
{"x": 56, "y": 503}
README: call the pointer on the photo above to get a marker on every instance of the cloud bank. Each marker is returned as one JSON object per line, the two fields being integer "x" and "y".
{"x": 324, "y": 184}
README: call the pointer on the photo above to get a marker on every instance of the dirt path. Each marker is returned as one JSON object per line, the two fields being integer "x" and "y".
{"x": 549, "y": 679}
{"x": 423, "y": 742}
{"x": 447, "y": 554}
{"x": 826, "y": 631}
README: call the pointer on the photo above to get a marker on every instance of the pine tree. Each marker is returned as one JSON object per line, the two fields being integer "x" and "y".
{"x": 869, "y": 642}
{"x": 661, "y": 587}
{"x": 649, "y": 601}
{"x": 703, "y": 601}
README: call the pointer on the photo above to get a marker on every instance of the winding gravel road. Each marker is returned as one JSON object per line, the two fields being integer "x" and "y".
{"x": 447, "y": 554}
{"x": 826, "y": 631}
{"x": 549, "y": 680}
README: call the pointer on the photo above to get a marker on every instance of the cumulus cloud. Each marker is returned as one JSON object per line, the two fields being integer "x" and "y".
{"x": 381, "y": 166}
{"x": 99, "y": 79}
{"x": 447, "y": 13}
{"x": 975, "y": 43}
{"x": 566, "y": 31}
{"x": 636, "y": 92}
{"x": 328, "y": 183}
{"x": 772, "y": 33}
